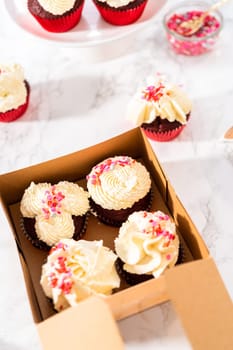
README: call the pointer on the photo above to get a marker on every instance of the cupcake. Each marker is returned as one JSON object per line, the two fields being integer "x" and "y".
{"x": 56, "y": 15}
{"x": 161, "y": 109}
{"x": 53, "y": 212}
{"x": 14, "y": 92}
{"x": 75, "y": 270}
{"x": 118, "y": 186}
{"x": 147, "y": 244}
{"x": 120, "y": 12}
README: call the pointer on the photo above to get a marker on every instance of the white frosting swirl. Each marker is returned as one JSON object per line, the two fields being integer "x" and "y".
{"x": 76, "y": 199}
{"x": 55, "y": 228}
{"x": 53, "y": 207}
{"x": 31, "y": 202}
{"x": 117, "y": 3}
{"x": 159, "y": 99}
{"x": 118, "y": 182}
{"x": 77, "y": 269}
{"x": 147, "y": 243}
{"x": 57, "y": 7}
{"x": 13, "y": 92}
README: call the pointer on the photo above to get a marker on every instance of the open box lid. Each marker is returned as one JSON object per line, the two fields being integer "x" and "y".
{"x": 196, "y": 291}
{"x": 203, "y": 304}
{"x": 89, "y": 325}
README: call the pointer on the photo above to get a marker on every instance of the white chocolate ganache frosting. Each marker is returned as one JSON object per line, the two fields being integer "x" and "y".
{"x": 117, "y": 3}
{"x": 159, "y": 99}
{"x": 147, "y": 243}
{"x": 52, "y": 206}
{"x": 118, "y": 182}
{"x": 13, "y": 92}
{"x": 57, "y": 7}
{"x": 77, "y": 269}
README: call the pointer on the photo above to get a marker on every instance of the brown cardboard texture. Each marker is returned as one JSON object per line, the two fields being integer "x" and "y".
{"x": 74, "y": 167}
{"x": 202, "y": 303}
{"x": 82, "y": 327}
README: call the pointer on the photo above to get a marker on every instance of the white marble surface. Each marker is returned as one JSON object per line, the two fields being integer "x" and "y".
{"x": 76, "y": 103}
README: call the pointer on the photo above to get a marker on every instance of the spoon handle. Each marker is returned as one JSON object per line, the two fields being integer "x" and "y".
{"x": 217, "y": 5}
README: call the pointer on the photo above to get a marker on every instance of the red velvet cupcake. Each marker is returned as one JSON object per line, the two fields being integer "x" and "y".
{"x": 56, "y": 16}
{"x": 118, "y": 186}
{"x": 120, "y": 12}
{"x": 161, "y": 109}
{"x": 14, "y": 92}
{"x": 53, "y": 212}
{"x": 146, "y": 246}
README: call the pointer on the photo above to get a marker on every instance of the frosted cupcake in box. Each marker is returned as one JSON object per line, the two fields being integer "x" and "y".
{"x": 52, "y": 212}
{"x": 147, "y": 244}
{"x": 118, "y": 186}
{"x": 75, "y": 270}
{"x": 56, "y": 15}
{"x": 161, "y": 109}
{"x": 120, "y": 12}
{"x": 14, "y": 92}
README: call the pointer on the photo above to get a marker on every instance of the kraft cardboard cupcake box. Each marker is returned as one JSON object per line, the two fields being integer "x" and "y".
{"x": 194, "y": 287}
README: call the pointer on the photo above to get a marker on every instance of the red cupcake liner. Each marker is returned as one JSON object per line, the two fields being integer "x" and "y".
{"x": 121, "y": 17}
{"x": 14, "y": 114}
{"x": 163, "y": 136}
{"x": 61, "y": 23}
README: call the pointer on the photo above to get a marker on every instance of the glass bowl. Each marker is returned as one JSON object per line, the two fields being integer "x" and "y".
{"x": 200, "y": 42}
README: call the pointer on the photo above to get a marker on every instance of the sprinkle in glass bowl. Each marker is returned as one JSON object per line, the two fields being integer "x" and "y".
{"x": 200, "y": 42}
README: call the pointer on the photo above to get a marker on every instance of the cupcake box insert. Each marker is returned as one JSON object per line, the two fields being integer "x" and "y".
{"x": 195, "y": 287}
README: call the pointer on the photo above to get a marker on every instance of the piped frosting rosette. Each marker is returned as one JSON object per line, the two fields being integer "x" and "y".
{"x": 118, "y": 182}
{"x": 76, "y": 270}
{"x": 147, "y": 243}
{"x": 57, "y": 7}
{"x": 54, "y": 207}
{"x": 117, "y": 186}
{"x": 162, "y": 109}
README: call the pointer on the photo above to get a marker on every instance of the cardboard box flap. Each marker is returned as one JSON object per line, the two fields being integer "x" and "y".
{"x": 87, "y": 326}
{"x": 202, "y": 303}
{"x": 154, "y": 290}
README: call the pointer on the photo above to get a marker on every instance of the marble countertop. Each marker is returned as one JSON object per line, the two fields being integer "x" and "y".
{"x": 78, "y": 98}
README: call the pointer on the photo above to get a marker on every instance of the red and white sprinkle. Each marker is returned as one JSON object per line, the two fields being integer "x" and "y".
{"x": 107, "y": 165}
{"x": 52, "y": 202}
{"x": 202, "y": 41}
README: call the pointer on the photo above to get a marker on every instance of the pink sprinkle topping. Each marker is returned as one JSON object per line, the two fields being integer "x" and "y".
{"x": 52, "y": 202}
{"x": 107, "y": 165}
{"x": 155, "y": 229}
{"x": 61, "y": 275}
{"x": 53, "y": 280}
{"x": 168, "y": 256}
{"x": 58, "y": 246}
{"x": 154, "y": 226}
{"x": 66, "y": 285}
{"x": 61, "y": 262}
{"x": 153, "y": 93}
{"x": 210, "y": 25}
{"x": 203, "y": 42}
